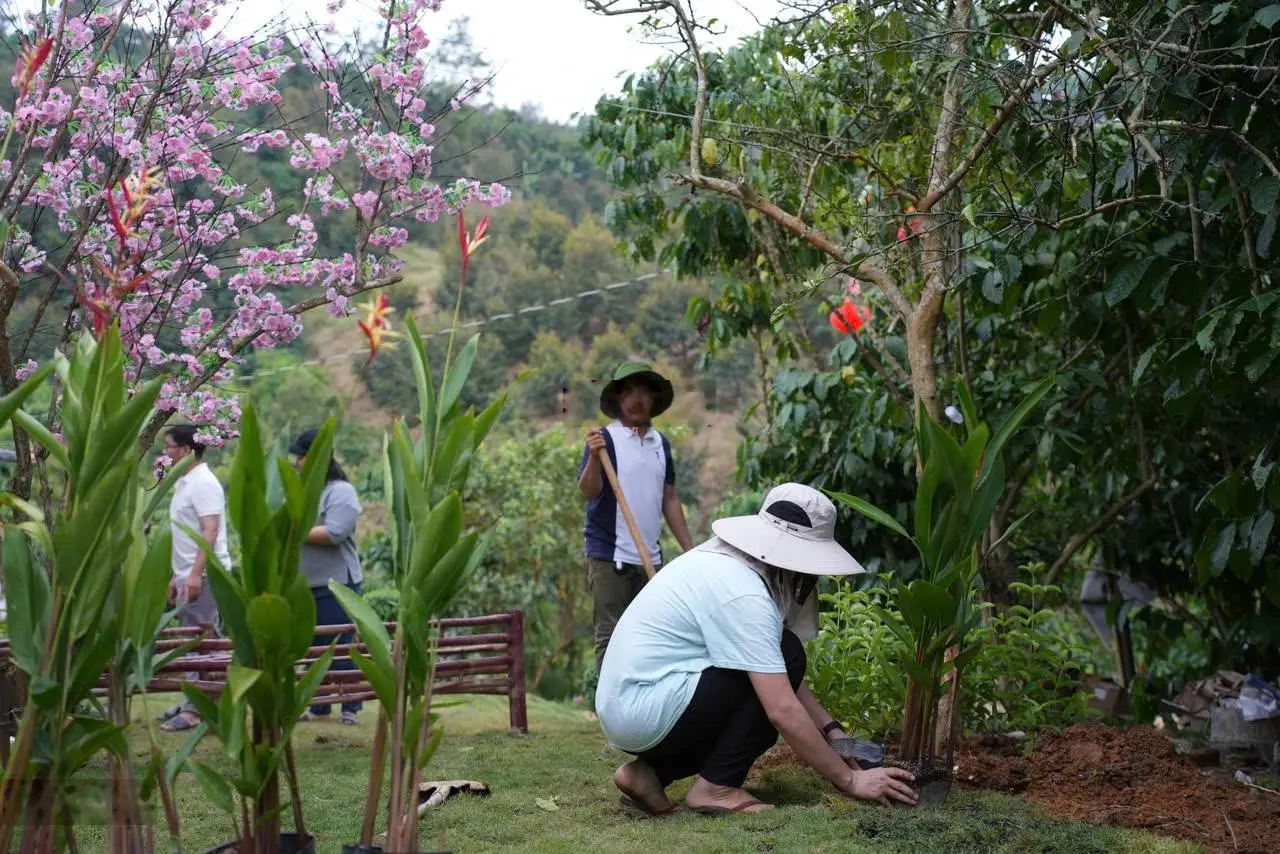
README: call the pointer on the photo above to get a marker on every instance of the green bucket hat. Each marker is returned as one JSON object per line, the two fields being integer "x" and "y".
{"x": 637, "y": 372}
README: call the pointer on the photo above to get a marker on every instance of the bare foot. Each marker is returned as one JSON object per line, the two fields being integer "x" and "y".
{"x": 712, "y": 798}
{"x": 639, "y": 782}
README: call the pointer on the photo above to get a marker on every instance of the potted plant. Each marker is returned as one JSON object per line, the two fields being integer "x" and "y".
{"x": 267, "y": 611}
{"x": 432, "y": 558}
{"x": 86, "y": 595}
{"x": 959, "y": 488}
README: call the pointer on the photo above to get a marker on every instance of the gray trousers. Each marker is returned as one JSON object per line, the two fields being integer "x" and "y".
{"x": 202, "y": 612}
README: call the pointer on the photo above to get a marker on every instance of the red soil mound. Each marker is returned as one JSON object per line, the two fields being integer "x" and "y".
{"x": 1128, "y": 778}
{"x": 1120, "y": 778}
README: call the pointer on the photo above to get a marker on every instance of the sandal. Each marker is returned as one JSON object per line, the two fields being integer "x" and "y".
{"x": 742, "y": 807}
{"x": 348, "y": 719}
{"x": 175, "y": 709}
{"x": 181, "y": 722}
{"x": 312, "y": 718}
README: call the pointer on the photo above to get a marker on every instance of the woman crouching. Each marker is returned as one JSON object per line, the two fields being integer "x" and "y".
{"x": 706, "y": 666}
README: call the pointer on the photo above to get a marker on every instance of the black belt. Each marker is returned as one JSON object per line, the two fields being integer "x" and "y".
{"x": 619, "y": 566}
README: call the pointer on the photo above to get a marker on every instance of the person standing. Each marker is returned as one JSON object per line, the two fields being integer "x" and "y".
{"x": 198, "y": 508}
{"x": 642, "y": 459}
{"x": 329, "y": 554}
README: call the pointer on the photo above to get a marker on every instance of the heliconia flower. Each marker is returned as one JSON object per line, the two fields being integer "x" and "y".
{"x": 33, "y": 58}
{"x": 376, "y": 326}
{"x": 850, "y": 317}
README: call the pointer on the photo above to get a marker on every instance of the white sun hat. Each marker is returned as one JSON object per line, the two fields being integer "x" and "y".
{"x": 795, "y": 530}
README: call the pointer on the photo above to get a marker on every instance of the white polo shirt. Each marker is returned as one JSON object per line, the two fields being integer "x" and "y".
{"x": 645, "y": 466}
{"x": 196, "y": 494}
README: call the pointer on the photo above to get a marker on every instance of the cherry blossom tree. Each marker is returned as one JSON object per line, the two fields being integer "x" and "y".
{"x": 121, "y": 196}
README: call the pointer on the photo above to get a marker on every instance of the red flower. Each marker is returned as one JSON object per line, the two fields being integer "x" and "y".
{"x": 33, "y": 57}
{"x": 376, "y": 325}
{"x": 850, "y": 317}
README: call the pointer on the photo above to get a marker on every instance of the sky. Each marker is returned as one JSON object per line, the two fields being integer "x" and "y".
{"x": 552, "y": 53}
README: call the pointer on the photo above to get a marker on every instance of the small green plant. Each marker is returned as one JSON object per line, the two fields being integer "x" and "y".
{"x": 86, "y": 596}
{"x": 431, "y": 559}
{"x": 853, "y": 661}
{"x": 958, "y": 490}
{"x": 1026, "y": 675}
{"x": 267, "y": 611}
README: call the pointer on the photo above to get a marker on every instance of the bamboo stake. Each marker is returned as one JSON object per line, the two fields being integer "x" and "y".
{"x": 641, "y": 548}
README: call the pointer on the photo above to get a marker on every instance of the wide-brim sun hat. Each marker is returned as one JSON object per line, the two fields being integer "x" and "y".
{"x": 795, "y": 530}
{"x": 636, "y": 372}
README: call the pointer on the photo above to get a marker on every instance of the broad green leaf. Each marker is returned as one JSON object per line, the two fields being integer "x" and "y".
{"x": 270, "y": 618}
{"x": 44, "y": 438}
{"x": 875, "y": 514}
{"x": 11, "y": 402}
{"x": 240, "y": 679}
{"x": 85, "y": 736}
{"x": 1267, "y": 16}
{"x": 28, "y": 600}
{"x": 1015, "y": 419}
{"x": 1125, "y": 280}
{"x": 303, "y": 606}
{"x": 149, "y": 589}
{"x": 1260, "y": 535}
{"x": 215, "y": 787}
{"x": 458, "y": 372}
{"x": 426, "y": 387}
{"x": 371, "y": 630}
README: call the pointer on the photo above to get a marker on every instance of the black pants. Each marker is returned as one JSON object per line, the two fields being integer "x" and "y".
{"x": 725, "y": 729}
{"x": 329, "y": 612}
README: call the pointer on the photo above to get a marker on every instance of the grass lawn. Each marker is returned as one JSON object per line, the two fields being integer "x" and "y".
{"x": 565, "y": 762}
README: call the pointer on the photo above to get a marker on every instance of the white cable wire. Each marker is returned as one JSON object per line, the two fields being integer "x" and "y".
{"x": 471, "y": 324}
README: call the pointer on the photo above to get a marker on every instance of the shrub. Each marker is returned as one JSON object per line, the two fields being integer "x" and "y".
{"x": 1026, "y": 676}
{"x": 385, "y": 602}
{"x": 850, "y": 666}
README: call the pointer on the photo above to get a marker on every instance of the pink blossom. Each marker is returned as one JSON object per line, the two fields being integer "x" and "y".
{"x": 26, "y": 370}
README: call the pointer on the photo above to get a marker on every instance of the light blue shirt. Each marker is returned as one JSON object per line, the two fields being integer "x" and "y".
{"x": 702, "y": 610}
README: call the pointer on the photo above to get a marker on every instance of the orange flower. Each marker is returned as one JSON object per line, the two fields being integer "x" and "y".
{"x": 33, "y": 57}
{"x": 376, "y": 326}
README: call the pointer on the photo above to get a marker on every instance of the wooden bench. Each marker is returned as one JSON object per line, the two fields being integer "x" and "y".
{"x": 477, "y": 655}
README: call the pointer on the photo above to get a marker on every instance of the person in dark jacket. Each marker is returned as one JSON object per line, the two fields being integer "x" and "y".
{"x": 330, "y": 554}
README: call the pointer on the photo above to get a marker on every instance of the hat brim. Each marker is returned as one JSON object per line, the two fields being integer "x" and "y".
{"x": 775, "y": 547}
{"x": 664, "y": 393}
{"x": 297, "y": 450}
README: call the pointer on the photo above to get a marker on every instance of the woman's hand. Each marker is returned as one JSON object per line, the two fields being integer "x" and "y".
{"x": 881, "y": 785}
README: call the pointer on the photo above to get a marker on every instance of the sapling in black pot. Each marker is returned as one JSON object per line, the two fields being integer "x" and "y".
{"x": 959, "y": 488}
{"x": 267, "y": 611}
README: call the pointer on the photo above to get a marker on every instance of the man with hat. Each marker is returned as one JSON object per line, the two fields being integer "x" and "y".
{"x": 707, "y": 666}
{"x": 641, "y": 457}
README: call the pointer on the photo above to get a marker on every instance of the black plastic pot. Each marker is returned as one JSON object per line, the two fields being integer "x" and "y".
{"x": 932, "y": 783}
{"x": 867, "y": 753}
{"x": 290, "y": 843}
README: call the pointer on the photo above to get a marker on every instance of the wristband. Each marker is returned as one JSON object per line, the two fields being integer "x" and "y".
{"x": 826, "y": 730}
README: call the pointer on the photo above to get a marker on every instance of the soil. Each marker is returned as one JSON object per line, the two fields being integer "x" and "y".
{"x": 1128, "y": 778}
{"x": 1122, "y": 778}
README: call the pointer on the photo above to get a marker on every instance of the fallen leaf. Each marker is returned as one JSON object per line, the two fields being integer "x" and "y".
{"x": 548, "y": 804}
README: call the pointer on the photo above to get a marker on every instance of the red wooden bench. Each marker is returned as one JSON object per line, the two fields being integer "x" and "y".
{"x": 476, "y": 655}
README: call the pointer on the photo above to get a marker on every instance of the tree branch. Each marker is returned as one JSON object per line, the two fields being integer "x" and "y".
{"x": 939, "y": 186}
{"x": 862, "y": 268}
{"x": 159, "y": 419}
{"x": 1108, "y": 516}
{"x": 1242, "y": 211}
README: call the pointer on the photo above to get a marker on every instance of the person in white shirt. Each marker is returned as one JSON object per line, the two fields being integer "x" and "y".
{"x": 706, "y": 667}
{"x": 200, "y": 505}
